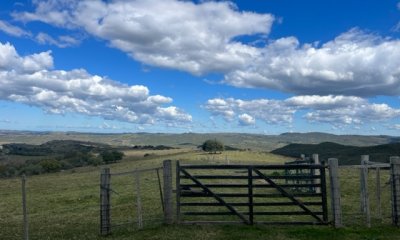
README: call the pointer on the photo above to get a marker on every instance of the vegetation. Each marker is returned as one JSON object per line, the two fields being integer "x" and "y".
{"x": 260, "y": 142}
{"x": 65, "y": 205}
{"x": 54, "y": 156}
{"x": 212, "y": 146}
{"x": 111, "y": 156}
{"x": 347, "y": 155}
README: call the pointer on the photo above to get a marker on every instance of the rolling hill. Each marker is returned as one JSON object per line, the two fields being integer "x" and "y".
{"x": 347, "y": 155}
{"x": 192, "y": 140}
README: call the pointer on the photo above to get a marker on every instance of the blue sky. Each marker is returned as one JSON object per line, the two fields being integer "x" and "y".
{"x": 204, "y": 66}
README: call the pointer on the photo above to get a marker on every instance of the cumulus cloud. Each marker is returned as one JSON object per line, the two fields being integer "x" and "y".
{"x": 203, "y": 37}
{"x": 13, "y": 30}
{"x": 334, "y": 110}
{"x": 197, "y": 38}
{"x": 31, "y": 80}
{"x": 246, "y": 120}
{"x": 355, "y": 63}
{"x": 270, "y": 111}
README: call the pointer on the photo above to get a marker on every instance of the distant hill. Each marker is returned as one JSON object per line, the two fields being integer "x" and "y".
{"x": 347, "y": 155}
{"x": 192, "y": 140}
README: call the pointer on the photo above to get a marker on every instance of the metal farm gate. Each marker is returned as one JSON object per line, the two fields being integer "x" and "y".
{"x": 251, "y": 194}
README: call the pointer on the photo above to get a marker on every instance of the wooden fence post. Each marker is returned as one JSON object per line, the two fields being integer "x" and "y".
{"x": 335, "y": 192}
{"x": 168, "y": 201}
{"x": 364, "y": 188}
{"x": 138, "y": 201}
{"x": 317, "y": 172}
{"x": 24, "y": 208}
{"x": 395, "y": 187}
{"x": 105, "y": 220}
{"x": 378, "y": 192}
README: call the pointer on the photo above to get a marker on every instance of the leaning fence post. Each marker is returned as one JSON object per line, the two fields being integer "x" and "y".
{"x": 24, "y": 208}
{"x": 364, "y": 188}
{"x": 335, "y": 192}
{"x": 168, "y": 201}
{"x": 317, "y": 172}
{"x": 395, "y": 187}
{"x": 105, "y": 220}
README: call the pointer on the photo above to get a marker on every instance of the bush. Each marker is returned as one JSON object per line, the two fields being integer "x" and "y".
{"x": 212, "y": 146}
{"x": 31, "y": 169}
{"x": 50, "y": 165}
{"x": 95, "y": 161}
{"x": 110, "y": 156}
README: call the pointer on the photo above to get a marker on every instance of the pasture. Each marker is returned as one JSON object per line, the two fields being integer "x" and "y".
{"x": 65, "y": 205}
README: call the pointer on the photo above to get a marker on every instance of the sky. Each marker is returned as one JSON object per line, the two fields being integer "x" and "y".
{"x": 250, "y": 66}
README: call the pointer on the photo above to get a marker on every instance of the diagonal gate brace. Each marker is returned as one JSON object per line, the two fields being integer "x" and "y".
{"x": 288, "y": 195}
{"x": 218, "y": 198}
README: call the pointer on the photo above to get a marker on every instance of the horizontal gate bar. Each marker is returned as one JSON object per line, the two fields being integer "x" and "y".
{"x": 277, "y": 195}
{"x": 256, "y": 222}
{"x": 260, "y": 167}
{"x": 183, "y": 186}
{"x": 245, "y": 213}
{"x": 291, "y": 177}
{"x": 254, "y": 204}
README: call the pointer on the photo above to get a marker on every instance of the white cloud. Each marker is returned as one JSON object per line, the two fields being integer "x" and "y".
{"x": 62, "y": 41}
{"x": 354, "y": 63}
{"x": 324, "y": 102}
{"x": 270, "y": 111}
{"x": 30, "y": 80}
{"x": 246, "y": 120}
{"x": 13, "y": 30}
{"x": 203, "y": 37}
{"x": 335, "y": 110}
{"x": 197, "y": 38}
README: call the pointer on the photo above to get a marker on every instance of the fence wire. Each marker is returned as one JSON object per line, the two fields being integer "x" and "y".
{"x": 134, "y": 206}
{"x": 379, "y": 197}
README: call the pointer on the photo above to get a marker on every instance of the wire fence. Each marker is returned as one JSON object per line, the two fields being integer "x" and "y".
{"x": 68, "y": 208}
{"x": 53, "y": 209}
{"x": 378, "y": 197}
{"x": 136, "y": 199}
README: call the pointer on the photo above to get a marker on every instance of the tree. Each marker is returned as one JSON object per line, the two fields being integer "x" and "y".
{"x": 111, "y": 156}
{"x": 212, "y": 146}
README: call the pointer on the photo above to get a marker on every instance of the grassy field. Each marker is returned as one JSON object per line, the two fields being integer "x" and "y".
{"x": 65, "y": 205}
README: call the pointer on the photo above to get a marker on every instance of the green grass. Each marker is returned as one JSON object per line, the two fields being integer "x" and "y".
{"x": 65, "y": 205}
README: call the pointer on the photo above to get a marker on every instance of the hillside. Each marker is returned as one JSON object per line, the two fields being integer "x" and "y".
{"x": 53, "y": 156}
{"x": 347, "y": 155}
{"x": 192, "y": 140}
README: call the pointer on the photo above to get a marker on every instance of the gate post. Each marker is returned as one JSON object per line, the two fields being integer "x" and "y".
{"x": 168, "y": 201}
{"x": 395, "y": 187}
{"x": 317, "y": 172}
{"x": 364, "y": 188}
{"x": 105, "y": 220}
{"x": 335, "y": 192}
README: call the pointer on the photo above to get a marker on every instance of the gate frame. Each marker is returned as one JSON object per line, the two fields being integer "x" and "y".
{"x": 251, "y": 169}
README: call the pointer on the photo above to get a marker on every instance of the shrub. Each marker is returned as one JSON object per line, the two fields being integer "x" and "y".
{"x": 50, "y": 165}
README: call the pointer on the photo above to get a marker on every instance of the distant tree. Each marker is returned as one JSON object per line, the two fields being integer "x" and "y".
{"x": 212, "y": 146}
{"x": 110, "y": 156}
